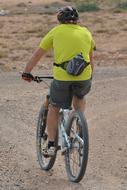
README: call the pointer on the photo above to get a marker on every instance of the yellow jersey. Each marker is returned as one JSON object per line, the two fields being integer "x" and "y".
{"x": 68, "y": 40}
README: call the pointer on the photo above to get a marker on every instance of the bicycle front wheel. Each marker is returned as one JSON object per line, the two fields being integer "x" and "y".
{"x": 45, "y": 162}
{"x": 76, "y": 156}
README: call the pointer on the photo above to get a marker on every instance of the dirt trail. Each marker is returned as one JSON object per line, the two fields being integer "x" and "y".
{"x": 107, "y": 119}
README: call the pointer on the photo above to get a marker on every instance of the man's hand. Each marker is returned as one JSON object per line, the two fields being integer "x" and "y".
{"x": 27, "y": 76}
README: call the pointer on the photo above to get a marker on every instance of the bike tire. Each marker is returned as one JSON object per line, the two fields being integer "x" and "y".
{"x": 83, "y": 134}
{"x": 46, "y": 163}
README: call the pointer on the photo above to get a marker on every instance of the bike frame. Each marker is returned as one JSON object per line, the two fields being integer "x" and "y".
{"x": 62, "y": 127}
{"x": 63, "y": 137}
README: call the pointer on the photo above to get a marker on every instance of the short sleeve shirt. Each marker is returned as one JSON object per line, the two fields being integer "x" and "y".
{"x": 68, "y": 40}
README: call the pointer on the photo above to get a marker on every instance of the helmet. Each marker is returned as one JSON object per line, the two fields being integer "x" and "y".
{"x": 67, "y": 14}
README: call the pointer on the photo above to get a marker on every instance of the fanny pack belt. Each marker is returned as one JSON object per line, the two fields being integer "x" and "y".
{"x": 64, "y": 64}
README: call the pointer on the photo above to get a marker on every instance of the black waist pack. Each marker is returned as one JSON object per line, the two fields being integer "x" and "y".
{"x": 75, "y": 66}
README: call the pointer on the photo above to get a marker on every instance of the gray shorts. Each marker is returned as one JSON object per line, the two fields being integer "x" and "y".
{"x": 61, "y": 92}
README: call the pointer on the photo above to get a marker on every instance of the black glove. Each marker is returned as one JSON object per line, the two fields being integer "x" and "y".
{"x": 27, "y": 76}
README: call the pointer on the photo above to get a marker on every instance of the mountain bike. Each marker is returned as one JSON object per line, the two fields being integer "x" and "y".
{"x": 72, "y": 139}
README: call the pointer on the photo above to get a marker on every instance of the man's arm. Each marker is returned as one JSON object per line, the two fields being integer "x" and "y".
{"x": 38, "y": 53}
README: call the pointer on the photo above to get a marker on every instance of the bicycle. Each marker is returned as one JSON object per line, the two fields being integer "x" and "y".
{"x": 72, "y": 139}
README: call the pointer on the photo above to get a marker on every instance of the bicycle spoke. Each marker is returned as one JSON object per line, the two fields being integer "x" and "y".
{"x": 75, "y": 161}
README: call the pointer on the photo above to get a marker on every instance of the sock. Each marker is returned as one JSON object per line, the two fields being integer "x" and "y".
{"x": 51, "y": 143}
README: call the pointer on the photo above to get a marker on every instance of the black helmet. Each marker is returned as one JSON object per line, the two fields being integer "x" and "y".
{"x": 67, "y": 14}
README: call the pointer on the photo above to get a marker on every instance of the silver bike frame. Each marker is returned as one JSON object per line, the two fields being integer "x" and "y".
{"x": 64, "y": 141}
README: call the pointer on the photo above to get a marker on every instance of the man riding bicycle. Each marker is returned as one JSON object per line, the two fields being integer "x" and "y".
{"x": 73, "y": 47}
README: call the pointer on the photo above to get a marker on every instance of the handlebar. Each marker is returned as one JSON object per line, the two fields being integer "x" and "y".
{"x": 40, "y": 79}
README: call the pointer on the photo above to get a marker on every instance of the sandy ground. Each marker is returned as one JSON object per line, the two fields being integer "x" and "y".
{"x": 20, "y": 102}
{"x": 107, "y": 118}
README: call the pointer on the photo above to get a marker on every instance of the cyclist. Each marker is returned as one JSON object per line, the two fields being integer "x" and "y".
{"x": 68, "y": 40}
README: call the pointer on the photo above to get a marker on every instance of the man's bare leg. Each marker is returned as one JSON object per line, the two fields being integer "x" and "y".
{"x": 52, "y": 122}
{"x": 79, "y": 104}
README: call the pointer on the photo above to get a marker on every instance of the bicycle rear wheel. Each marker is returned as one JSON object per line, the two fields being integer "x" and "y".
{"x": 76, "y": 156}
{"x": 45, "y": 162}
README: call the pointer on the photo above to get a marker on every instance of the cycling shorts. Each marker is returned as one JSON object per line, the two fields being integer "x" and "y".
{"x": 61, "y": 92}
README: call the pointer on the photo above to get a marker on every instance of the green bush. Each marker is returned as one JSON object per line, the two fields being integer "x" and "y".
{"x": 122, "y": 5}
{"x": 87, "y": 7}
